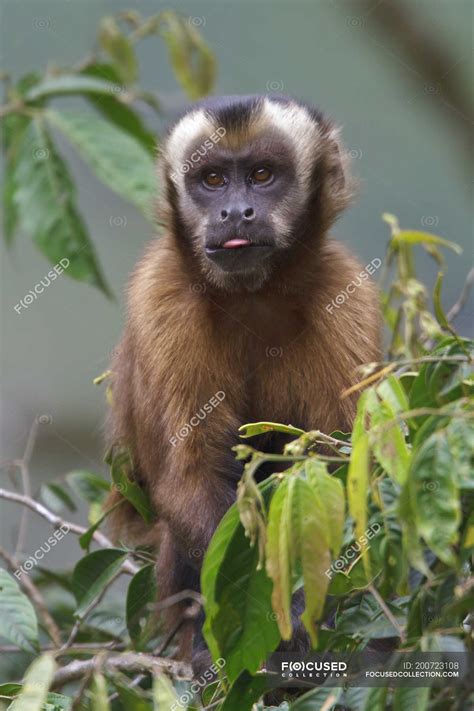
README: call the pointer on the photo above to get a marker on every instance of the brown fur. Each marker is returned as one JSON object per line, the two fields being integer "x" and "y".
{"x": 276, "y": 353}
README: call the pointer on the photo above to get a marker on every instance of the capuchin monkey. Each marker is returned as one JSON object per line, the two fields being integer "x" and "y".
{"x": 237, "y": 313}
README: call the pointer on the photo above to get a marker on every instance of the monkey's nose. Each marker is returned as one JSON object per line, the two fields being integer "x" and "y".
{"x": 246, "y": 214}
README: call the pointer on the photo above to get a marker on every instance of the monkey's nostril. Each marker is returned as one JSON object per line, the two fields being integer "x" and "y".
{"x": 224, "y": 215}
{"x": 249, "y": 213}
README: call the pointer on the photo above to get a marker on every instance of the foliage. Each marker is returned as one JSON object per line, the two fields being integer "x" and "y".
{"x": 105, "y": 128}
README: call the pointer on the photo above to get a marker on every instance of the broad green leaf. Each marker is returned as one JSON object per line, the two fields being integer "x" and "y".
{"x": 391, "y": 390}
{"x": 416, "y": 237}
{"x": 99, "y": 697}
{"x": 86, "y": 538}
{"x": 36, "y": 684}
{"x": 118, "y": 111}
{"x": 434, "y": 496}
{"x": 119, "y": 48}
{"x": 376, "y": 700}
{"x": 70, "y": 84}
{"x": 18, "y": 621}
{"x": 13, "y": 128}
{"x": 56, "y": 497}
{"x": 460, "y": 438}
{"x": 240, "y": 624}
{"x": 311, "y": 539}
{"x": 114, "y": 156}
{"x": 165, "y": 697}
{"x": 45, "y": 201}
{"x": 133, "y": 699}
{"x": 93, "y": 573}
{"x": 408, "y": 699}
{"x": 245, "y": 692}
{"x": 256, "y": 428}
{"x": 387, "y": 439}
{"x": 191, "y": 59}
{"x": 120, "y": 471}
{"x": 92, "y": 487}
{"x": 278, "y": 557}
{"x": 9, "y": 690}
{"x": 330, "y": 494}
{"x": 141, "y": 591}
{"x": 357, "y": 488}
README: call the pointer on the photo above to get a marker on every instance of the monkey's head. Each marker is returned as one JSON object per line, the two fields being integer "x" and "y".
{"x": 250, "y": 180}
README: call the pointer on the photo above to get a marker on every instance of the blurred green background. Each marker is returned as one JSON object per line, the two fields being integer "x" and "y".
{"x": 408, "y": 151}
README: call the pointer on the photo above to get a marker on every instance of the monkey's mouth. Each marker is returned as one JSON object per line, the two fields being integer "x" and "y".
{"x": 238, "y": 254}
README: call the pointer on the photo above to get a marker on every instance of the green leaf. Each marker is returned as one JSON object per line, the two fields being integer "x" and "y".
{"x": 67, "y": 84}
{"x": 357, "y": 488}
{"x": 245, "y": 692}
{"x": 141, "y": 591}
{"x": 191, "y": 59}
{"x": 119, "y": 48}
{"x": 330, "y": 494}
{"x": 386, "y": 437}
{"x": 99, "y": 697}
{"x": 45, "y": 201}
{"x": 256, "y": 428}
{"x": 416, "y": 237}
{"x": 164, "y": 696}
{"x": 434, "y": 496}
{"x": 240, "y": 624}
{"x": 408, "y": 699}
{"x": 56, "y": 497}
{"x": 35, "y": 686}
{"x": 376, "y": 700}
{"x": 114, "y": 156}
{"x": 18, "y": 621}
{"x": 460, "y": 438}
{"x": 278, "y": 557}
{"x": 13, "y": 128}
{"x": 92, "y": 573}
{"x": 116, "y": 110}
{"x": 92, "y": 487}
{"x": 133, "y": 699}
{"x": 86, "y": 538}
{"x": 121, "y": 469}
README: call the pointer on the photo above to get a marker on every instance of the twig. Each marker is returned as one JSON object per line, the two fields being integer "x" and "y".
{"x": 90, "y": 607}
{"x": 387, "y": 612}
{"x": 80, "y": 648}
{"x": 36, "y": 597}
{"x": 460, "y": 303}
{"x": 57, "y": 522}
{"x": 128, "y": 662}
{"x": 26, "y": 485}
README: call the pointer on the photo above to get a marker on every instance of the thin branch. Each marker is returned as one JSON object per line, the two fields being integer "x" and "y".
{"x": 57, "y": 522}
{"x": 90, "y": 607}
{"x": 80, "y": 648}
{"x": 26, "y": 485}
{"x": 35, "y": 596}
{"x": 387, "y": 612}
{"x": 128, "y": 662}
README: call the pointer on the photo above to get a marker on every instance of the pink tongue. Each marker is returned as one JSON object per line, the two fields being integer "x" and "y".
{"x": 230, "y": 244}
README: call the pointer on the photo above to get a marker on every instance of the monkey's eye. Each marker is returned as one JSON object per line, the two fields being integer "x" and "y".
{"x": 213, "y": 179}
{"x": 261, "y": 175}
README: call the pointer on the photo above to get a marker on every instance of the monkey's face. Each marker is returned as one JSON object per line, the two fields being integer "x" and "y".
{"x": 232, "y": 205}
{"x": 243, "y": 173}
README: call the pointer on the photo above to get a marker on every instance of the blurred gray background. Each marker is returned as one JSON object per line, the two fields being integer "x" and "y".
{"x": 408, "y": 151}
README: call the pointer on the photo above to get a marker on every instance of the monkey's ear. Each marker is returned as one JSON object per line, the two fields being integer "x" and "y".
{"x": 340, "y": 185}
